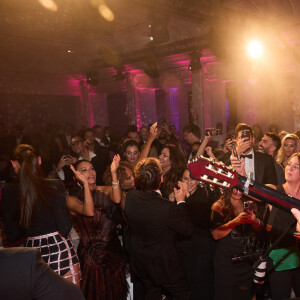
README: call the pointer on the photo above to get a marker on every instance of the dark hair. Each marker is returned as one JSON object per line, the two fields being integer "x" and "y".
{"x": 243, "y": 126}
{"x": 88, "y": 130}
{"x": 77, "y": 135}
{"x": 194, "y": 129}
{"x": 275, "y": 139}
{"x": 178, "y": 164}
{"x": 30, "y": 186}
{"x": 130, "y": 143}
{"x": 273, "y": 126}
{"x": 147, "y": 174}
{"x": 228, "y": 211}
{"x": 78, "y": 162}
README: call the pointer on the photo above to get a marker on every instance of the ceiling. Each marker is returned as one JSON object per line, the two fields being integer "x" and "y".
{"x": 76, "y": 39}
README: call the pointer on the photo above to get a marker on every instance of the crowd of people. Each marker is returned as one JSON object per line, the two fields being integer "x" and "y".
{"x": 140, "y": 214}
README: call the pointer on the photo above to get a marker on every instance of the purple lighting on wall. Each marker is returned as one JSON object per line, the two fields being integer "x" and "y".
{"x": 174, "y": 107}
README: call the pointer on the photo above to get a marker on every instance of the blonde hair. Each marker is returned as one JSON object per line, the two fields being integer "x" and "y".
{"x": 281, "y": 156}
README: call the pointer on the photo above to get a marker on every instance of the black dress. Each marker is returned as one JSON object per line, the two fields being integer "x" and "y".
{"x": 233, "y": 281}
{"x": 197, "y": 252}
{"x": 49, "y": 228}
{"x": 99, "y": 251}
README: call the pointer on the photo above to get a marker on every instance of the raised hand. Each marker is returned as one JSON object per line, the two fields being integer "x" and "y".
{"x": 79, "y": 176}
{"x": 153, "y": 131}
{"x": 238, "y": 164}
{"x": 242, "y": 145}
{"x": 181, "y": 192}
{"x": 115, "y": 164}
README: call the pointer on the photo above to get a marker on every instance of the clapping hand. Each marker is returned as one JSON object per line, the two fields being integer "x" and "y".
{"x": 180, "y": 193}
{"x": 115, "y": 164}
{"x": 83, "y": 180}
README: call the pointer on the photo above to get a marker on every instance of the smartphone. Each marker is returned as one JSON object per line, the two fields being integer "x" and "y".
{"x": 248, "y": 206}
{"x": 246, "y": 134}
{"x": 212, "y": 131}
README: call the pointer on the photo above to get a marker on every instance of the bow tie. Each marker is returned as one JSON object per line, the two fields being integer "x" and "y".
{"x": 246, "y": 155}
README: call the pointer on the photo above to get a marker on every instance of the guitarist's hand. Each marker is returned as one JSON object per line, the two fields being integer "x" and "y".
{"x": 238, "y": 164}
{"x": 296, "y": 214}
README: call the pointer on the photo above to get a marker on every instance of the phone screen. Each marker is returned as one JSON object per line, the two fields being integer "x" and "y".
{"x": 248, "y": 206}
{"x": 246, "y": 134}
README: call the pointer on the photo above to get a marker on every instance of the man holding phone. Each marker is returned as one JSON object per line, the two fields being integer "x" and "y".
{"x": 258, "y": 165}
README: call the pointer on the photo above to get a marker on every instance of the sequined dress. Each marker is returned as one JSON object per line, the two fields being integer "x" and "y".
{"x": 99, "y": 251}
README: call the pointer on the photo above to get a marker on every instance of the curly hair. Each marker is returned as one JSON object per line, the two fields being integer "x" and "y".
{"x": 281, "y": 156}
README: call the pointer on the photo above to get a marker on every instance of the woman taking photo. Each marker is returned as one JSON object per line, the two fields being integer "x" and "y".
{"x": 99, "y": 250}
{"x": 235, "y": 232}
{"x": 36, "y": 208}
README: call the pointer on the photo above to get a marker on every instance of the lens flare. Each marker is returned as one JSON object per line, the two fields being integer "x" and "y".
{"x": 106, "y": 12}
{"x": 255, "y": 49}
{"x": 49, "y": 4}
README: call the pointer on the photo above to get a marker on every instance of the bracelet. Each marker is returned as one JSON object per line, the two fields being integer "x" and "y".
{"x": 115, "y": 182}
{"x": 115, "y": 187}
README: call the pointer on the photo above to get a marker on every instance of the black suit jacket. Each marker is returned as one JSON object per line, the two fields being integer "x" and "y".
{"x": 24, "y": 275}
{"x": 264, "y": 168}
{"x": 154, "y": 224}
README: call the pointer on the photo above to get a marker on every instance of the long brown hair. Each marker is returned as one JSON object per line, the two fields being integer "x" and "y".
{"x": 30, "y": 186}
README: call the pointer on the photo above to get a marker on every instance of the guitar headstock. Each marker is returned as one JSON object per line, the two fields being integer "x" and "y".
{"x": 207, "y": 170}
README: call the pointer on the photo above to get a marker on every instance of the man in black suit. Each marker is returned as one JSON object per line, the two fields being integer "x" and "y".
{"x": 79, "y": 147}
{"x": 24, "y": 275}
{"x": 154, "y": 224}
{"x": 259, "y": 166}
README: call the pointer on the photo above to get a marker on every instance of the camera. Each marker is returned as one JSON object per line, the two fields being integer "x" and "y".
{"x": 212, "y": 131}
{"x": 248, "y": 206}
{"x": 246, "y": 134}
{"x": 247, "y": 256}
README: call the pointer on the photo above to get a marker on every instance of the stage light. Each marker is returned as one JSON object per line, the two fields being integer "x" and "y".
{"x": 195, "y": 63}
{"x": 49, "y": 4}
{"x": 159, "y": 29}
{"x": 106, "y": 12}
{"x": 255, "y": 49}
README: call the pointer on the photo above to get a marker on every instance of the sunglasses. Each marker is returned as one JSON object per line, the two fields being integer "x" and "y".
{"x": 76, "y": 143}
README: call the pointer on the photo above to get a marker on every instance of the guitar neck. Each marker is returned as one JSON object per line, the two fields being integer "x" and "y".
{"x": 271, "y": 196}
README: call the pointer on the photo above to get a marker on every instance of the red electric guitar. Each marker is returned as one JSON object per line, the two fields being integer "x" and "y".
{"x": 217, "y": 174}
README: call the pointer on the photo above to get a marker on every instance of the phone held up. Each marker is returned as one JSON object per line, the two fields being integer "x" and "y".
{"x": 246, "y": 134}
{"x": 212, "y": 131}
{"x": 248, "y": 206}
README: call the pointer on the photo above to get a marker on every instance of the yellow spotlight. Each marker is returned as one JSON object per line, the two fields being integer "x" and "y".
{"x": 49, "y": 4}
{"x": 255, "y": 49}
{"x": 106, "y": 13}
